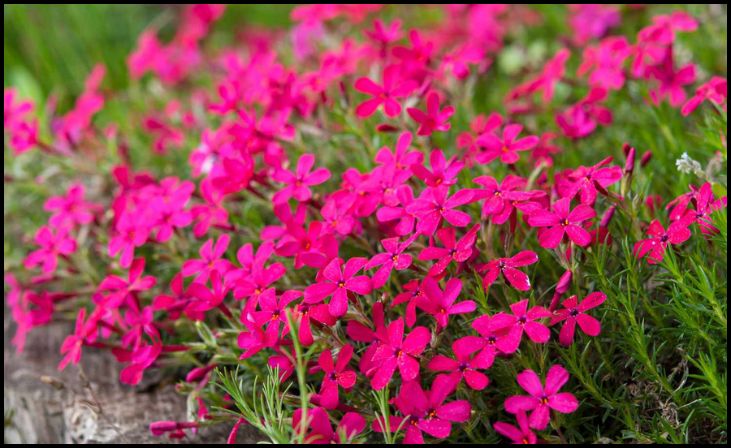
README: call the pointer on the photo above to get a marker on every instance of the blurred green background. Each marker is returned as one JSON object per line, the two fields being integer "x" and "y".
{"x": 52, "y": 48}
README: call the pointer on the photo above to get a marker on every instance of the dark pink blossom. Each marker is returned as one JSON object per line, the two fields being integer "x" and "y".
{"x": 574, "y": 312}
{"x": 507, "y": 147}
{"x": 53, "y": 243}
{"x": 562, "y": 221}
{"x": 394, "y": 257}
{"x": 466, "y": 365}
{"x": 426, "y": 411}
{"x": 321, "y": 430}
{"x": 676, "y": 233}
{"x": 520, "y": 435}
{"x": 459, "y": 251}
{"x": 211, "y": 260}
{"x": 522, "y": 320}
{"x": 434, "y": 205}
{"x": 396, "y": 352}
{"x": 336, "y": 375}
{"x": 542, "y": 399}
{"x": 507, "y": 268}
{"x": 440, "y": 304}
{"x": 336, "y": 281}
{"x": 432, "y": 119}
{"x": 298, "y": 183}
{"x": 393, "y": 88}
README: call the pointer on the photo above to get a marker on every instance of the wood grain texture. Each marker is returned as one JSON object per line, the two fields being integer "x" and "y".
{"x": 86, "y": 404}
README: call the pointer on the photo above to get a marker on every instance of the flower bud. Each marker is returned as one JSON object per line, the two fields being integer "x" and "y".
{"x": 646, "y": 157}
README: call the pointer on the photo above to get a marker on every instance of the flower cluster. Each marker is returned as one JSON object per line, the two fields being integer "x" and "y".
{"x": 400, "y": 266}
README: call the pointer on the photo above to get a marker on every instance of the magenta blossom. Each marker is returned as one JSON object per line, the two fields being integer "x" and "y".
{"x": 120, "y": 289}
{"x": 574, "y": 312}
{"x": 70, "y": 209}
{"x": 426, "y": 411}
{"x": 440, "y": 304}
{"x": 466, "y": 365}
{"x": 507, "y": 147}
{"x": 433, "y": 205}
{"x": 500, "y": 198}
{"x": 338, "y": 282}
{"x": 393, "y": 258}
{"x": 520, "y": 435}
{"x": 676, "y": 233}
{"x": 336, "y": 374}
{"x": 432, "y": 119}
{"x": 542, "y": 399}
{"x": 396, "y": 352}
{"x": 393, "y": 88}
{"x": 211, "y": 260}
{"x": 321, "y": 430}
{"x": 52, "y": 245}
{"x": 459, "y": 251}
{"x": 562, "y": 221}
{"x": 507, "y": 268}
{"x": 522, "y": 320}
{"x": 298, "y": 183}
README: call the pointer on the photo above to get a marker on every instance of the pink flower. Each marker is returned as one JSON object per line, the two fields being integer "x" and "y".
{"x": 433, "y": 119}
{"x": 562, "y": 221}
{"x": 320, "y": 428}
{"x": 273, "y": 312}
{"x": 444, "y": 172}
{"x": 207, "y": 299}
{"x": 440, "y": 304}
{"x": 336, "y": 374}
{"x": 522, "y": 434}
{"x": 590, "y": 21}
{"x": 394, "y": 87}
{"x": 71, "y": 346}
{"x": 393, "y": 258}
{"x": 426, "y": 411}
{"x": 507, "y": 268}
{"x": 491, "y": 331}
{"x": 255, "y": 276}
{"x": 396, "y": 352}
{"x": 140, "y": 359}
{"x": 584, "y": 180}
{"x": 605, "y": 62}
{"x": 306, "y": 314}
{"x": 52, "y": 244}
{"x": 522, "y": 320}
{"x": 581, "y": 119}
{"x": 211, "y": 260}
{"x": 507, "y": 147}
{"x": 399, "y": 218}
{"x": 413, "y": 294}
{"x": 121, "y": 289}
{"x": 338, "y": 282}
{"x": 71, "y": 209}
{"x": 384, "y": 34}
{"x": 574, "y": 312}
{"x": 466, "y": 364}
{"x": 130, "y": 233}
{"x": 542, "y": 399}
{"x": 401, "y": 158}
{"x": 677, "y": 233}
{"x": 459, "y": 251}
{"x": 715, "y": 90}
{"x": 298, "y": 183}
{"x": 500, "y": 198}
{"x": 433, "y": 205}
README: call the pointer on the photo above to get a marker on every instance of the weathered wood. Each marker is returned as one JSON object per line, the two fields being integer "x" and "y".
{"x": 85, "y": 404}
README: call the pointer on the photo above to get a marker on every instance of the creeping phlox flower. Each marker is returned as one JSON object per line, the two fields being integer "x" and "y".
{"x": 349, "y": 220}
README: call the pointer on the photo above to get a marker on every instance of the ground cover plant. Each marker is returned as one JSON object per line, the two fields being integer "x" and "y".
{"x": 463, "y": 223}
